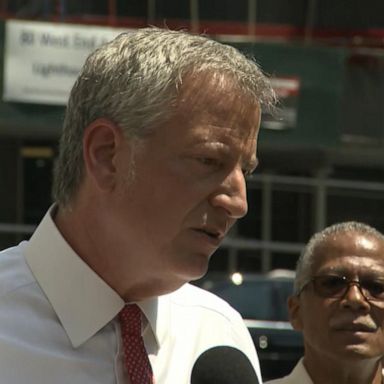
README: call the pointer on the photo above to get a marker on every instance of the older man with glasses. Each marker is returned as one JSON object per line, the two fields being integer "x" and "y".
{"x": 338, "y": 305}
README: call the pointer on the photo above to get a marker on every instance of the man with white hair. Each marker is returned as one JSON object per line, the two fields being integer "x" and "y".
{"x": 338, "y": 305}
{"x": 159, "y": 135}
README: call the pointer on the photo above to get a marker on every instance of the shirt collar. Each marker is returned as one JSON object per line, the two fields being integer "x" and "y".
{"x": 157, "y": 312}
{"x": 83, "y": 302}
{"x": 300, "y": 373}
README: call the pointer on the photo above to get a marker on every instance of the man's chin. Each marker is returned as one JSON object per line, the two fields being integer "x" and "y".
{"x": 195, "y": 273}
{"x": 358, "y": 352}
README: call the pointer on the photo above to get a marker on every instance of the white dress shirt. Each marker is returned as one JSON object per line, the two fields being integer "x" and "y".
{"x": 299, "y": 375}
{"x": 58, "y": 321}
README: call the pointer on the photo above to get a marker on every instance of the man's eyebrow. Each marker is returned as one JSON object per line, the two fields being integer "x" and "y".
{"x": 251, "y": 165}
{"x": 339, "y": 270}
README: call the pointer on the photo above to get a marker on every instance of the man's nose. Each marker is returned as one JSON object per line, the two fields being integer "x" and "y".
{"x": 232, "y": 195}
{"x": 354, "y": 297}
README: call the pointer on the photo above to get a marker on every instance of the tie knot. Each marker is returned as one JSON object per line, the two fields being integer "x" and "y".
{"x": 130, "y": 320}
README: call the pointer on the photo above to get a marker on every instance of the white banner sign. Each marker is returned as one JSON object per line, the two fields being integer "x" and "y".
{"x": 42, "y": 60}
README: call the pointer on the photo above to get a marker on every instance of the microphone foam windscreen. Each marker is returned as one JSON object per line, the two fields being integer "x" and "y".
{"x": 223, "y": 365}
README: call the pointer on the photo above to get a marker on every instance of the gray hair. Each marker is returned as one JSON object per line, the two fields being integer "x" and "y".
{"x": 133, "y": 81}
{"x": 307, "y": 257}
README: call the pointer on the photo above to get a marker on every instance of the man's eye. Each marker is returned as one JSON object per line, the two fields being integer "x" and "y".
{"x": 375, "y": 287}
{"x": 331, "y": 282}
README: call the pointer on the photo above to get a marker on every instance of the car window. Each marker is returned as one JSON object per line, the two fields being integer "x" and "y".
{"x": 259, "y": 300}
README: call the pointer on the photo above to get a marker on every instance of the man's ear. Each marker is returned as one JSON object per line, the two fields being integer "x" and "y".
{"x": 294, "y": 312}
{"x": 101, "y": 142}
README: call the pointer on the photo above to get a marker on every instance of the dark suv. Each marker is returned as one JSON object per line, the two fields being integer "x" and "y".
{"x": 262, "y": 302}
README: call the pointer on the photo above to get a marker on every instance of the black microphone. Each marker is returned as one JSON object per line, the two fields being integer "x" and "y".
{"x": 223, "y": 365}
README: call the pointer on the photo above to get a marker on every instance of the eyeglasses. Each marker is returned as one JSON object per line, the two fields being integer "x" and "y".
{"x": 335, "y": 286}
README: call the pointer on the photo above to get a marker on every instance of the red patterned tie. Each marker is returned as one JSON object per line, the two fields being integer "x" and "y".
{"x": 136, "y": 358}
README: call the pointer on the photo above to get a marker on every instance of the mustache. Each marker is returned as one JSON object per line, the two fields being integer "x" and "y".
{"x": 353, "y": 323}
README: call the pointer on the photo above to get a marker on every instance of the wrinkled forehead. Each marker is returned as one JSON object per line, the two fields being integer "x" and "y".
{"x": 334, "y": 249}
{"x": 216, "y": 98}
